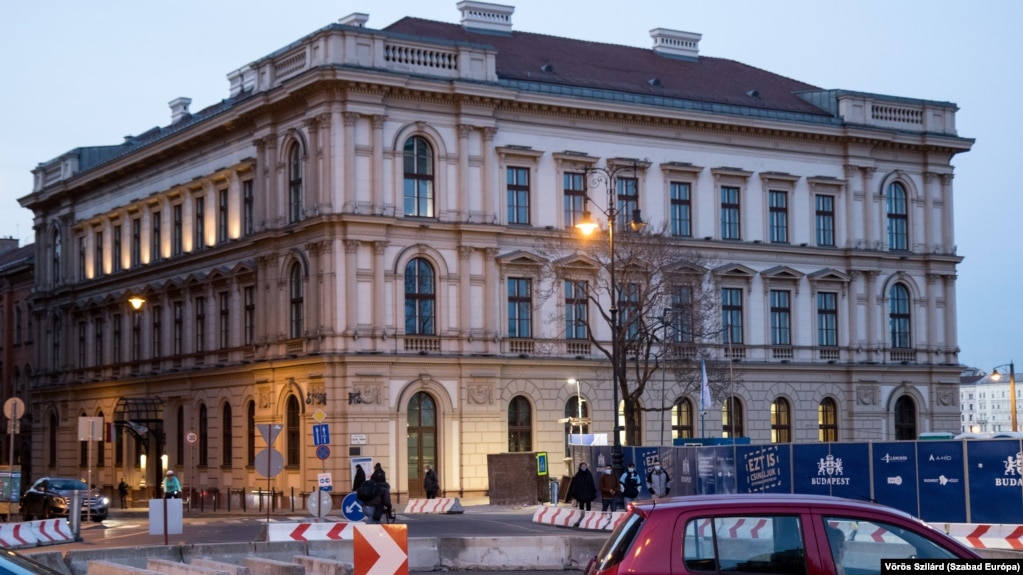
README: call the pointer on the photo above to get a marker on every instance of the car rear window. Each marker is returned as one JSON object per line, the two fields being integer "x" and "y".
{"x": 745, "y": 544}
{"x": 857, "y": 546}
{"x": 618, "y": 543}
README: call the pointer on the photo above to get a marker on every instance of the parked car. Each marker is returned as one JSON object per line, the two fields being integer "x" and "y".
{"x": 768, "y": 533}
{"x": 51, "y": 496}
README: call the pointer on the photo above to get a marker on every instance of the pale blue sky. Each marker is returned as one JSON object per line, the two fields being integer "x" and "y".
{"x": 89, "y": 73}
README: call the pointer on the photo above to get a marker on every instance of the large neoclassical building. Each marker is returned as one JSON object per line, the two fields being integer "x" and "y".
{"x": 350, "y": 239}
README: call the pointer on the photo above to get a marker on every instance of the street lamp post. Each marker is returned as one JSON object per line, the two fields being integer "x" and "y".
{"x": 608, "y": 177}
{"x": 1012, "y": 388}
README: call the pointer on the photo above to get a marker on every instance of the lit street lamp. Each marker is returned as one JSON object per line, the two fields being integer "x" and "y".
{"x": 608, "y": 177}
{"x": 995, "y": 376}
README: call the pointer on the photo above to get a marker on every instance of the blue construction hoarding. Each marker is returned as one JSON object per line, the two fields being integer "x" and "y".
{"x": 953, "y": 481}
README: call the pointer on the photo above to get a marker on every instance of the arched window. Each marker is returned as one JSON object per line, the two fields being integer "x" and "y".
{"x": 418, "y": 163}
{"x": 898, "y": 217}
{"x": 293, "y": 431}
{"x": 731, "y": 417}
{"x": 682, "y": 419}
{"x": 575, "y": 408}
{"x": 204, "y": 433}
{"x": 781, "y": 421}
{"x": 520, "y": 425}
{"x": 296, "y": 290}
{"x": 101, "y": 446}
{"x": 827, "y": 420}
{"x": 898, "y": 317}
{"x": 295, "y": 183}
{"x": 55, "y": 334}
{"x": 180, "y": 448}
{"x": 420, "y": 298}
{"x": 226, "y": 437}
{"x": 905, "y": 418}
{"x": 55, "y": 274}
{"x": 250, "y": 432}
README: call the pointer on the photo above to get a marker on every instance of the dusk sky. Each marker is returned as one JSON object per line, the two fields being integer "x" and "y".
{"x": 89, "y": 73}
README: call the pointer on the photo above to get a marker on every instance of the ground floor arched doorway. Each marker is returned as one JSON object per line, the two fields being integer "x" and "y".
{"x": 422, "y": 440}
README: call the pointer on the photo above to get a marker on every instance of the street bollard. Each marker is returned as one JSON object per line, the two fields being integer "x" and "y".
{"x": 74, "y": 515}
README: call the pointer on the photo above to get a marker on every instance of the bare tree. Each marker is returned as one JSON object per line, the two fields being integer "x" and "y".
{"x": 668, "y": 308}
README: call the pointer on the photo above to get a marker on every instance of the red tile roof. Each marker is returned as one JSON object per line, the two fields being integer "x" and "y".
{"x": 598, "y": 66}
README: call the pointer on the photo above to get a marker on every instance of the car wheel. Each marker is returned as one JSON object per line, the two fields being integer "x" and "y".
{"x": 98, "y": 518}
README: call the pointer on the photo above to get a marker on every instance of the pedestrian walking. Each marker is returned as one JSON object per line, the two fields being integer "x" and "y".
{"x": 658, "y": 482}
{"x": 122, "y": 492}
{"x": 360, "y": 476}
{"x": 378, "y": 474}
{"x": 582, "y": 489}
{"x": 629, "y": 484}
{"x": 430, "y": 483}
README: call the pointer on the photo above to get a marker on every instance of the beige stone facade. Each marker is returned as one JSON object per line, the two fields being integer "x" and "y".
{"x": 273, "y": 239}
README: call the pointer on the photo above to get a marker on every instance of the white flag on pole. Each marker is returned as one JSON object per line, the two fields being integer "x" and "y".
{"x": 705, "y": 388}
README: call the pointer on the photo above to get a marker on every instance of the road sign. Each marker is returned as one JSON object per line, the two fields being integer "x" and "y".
{"x": 269, "y": 432}
{"x": 14, "y": 408}
{"x": 324, "y": 481}
{"x": 351, "y": 508}
{"x": 319, "y": 503}
{"x": 381, "y": 550}
{"x": 322, "y": 451}
{"x": 358, "y": 439}
{"x": 321, "y": 434}
{"x": 269, "y": 462}
{"x": 192, "y": 437}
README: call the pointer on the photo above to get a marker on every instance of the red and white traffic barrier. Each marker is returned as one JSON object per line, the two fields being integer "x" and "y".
{"x": 436, "y": 505}
{"x": 309, "y": 532}
{"x": 983, "y": 536}
{"x": 559, "y": 516}
{"x": 601, "y": 520}
{"x": 51, "y": 531}
{"x": 17, "y": 535}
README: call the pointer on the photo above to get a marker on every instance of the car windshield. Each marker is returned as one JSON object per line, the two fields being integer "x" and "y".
{"x": 67, "y": 485}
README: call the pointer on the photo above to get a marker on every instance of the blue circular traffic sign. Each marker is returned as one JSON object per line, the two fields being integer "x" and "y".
{"x": 351, "y": 508}
{"x": 322, "y": 451}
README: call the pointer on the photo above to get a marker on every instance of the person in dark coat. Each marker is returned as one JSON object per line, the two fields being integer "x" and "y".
{"x": 430, "y": 483}
{"x": 360, "y": 476}
{"x": 583, "y": 489}
{"x": 378, "y": 474}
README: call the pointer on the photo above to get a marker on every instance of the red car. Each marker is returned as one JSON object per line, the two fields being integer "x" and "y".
{"x": 768, "y": 533}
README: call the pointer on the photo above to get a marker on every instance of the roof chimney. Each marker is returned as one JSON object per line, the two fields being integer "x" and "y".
{"x": 676, "y": 43}
{"x": 355, "y": 19}
{"x": 486, "y": 16}
{"x": 179, "y": 109}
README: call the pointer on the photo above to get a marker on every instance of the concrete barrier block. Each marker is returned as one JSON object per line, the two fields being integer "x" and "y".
{"x": 231, "y": 553}
{"x": 175, "y": 568}
{"x": 423, "y": 554}
{"x": 102, "y": 567}
{"x": 54, "y": 560}
{"x": 321, "y": 566}
{"x": 583, "y": 548}
{"x": 261, "y": 566}
{"x": 281, "y": 551}
{"x": 525, "y": 553}
{"x": 229, "y": 568}
{"x": 343, "y": 550}
{"x": 78, "y": 559}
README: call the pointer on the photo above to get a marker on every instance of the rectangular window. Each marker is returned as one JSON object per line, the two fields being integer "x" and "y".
{"x": 157, "y": 339}
{"x": 825, "y": 220}
{"x": 576, "y": 316}
{"x": 222, "y": 214}
{"x": 731, "y": 315}
{"x": 781, "y": 317}
{"x": 179, "y": 328}
{"x": 250, "y": 315}
{"x": 82, "y": 251}
{"x": 248, "y": 207}
{"x": 827, "y": 319}
{"x": 518, "y": 195}
{"x": 199, "y": 235}
{"x": 628, "y": 201}
{"x": 575, "y": 198}
{"x": 730, "y": 213}
{"x": 155, "y": 238}
{"x": 136, "y": 242}
{"x": 779, "y": 216}
{"x": 630, "y": 318}
{"x": 117, "y": 251}
{"x": 681, "y": 210}
{"x": 177, "y": 238}
{"x": 200, "y": 324}
{"x": 681, "y": 316}
{"x": 520, "y": 308}
{"x": 224, "y": 332}
{"x": 81, "y": 344}
{"x": 118, "y": 341}
{"x": 97, "y": 257}
{"x": 97, "y": 349}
